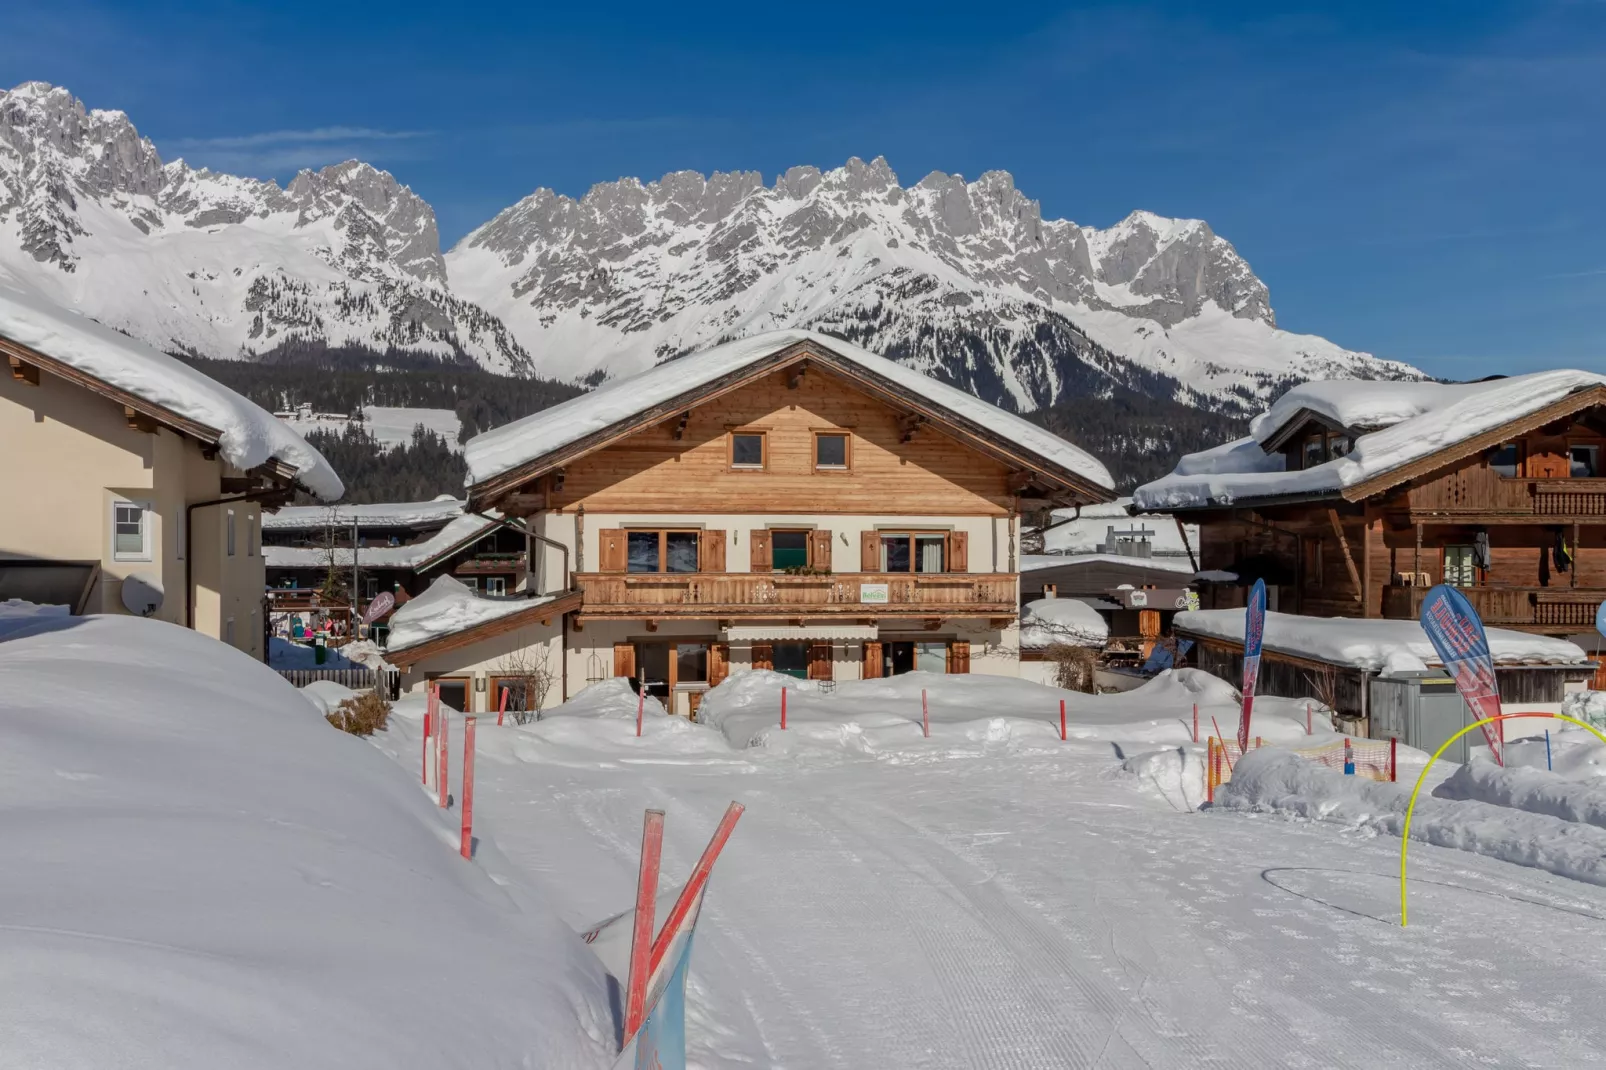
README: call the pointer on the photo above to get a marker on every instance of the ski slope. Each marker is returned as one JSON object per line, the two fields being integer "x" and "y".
{"x": 992, "y": 897}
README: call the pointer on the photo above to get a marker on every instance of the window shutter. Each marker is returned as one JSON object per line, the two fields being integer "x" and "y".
{"x": 820, "y": 549}
{"x": 719, "y": 663}
{"x": 959, "y": 551}
{"x": 959, "y": 656}
{"x": 624, "y": 659}
{"x": 759, "y": 545}
{"x": 763, "y": 656}
{"x": 869, "y": 551}
{"x": 872, "y": 661}
{"x": 820, "y": 661}
{"x": 612, "y": 555}
{"x": 711, "y": 551}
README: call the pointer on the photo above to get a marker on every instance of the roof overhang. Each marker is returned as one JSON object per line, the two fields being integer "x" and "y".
{"x": 1031, "y": 473}
{"x": 406, "y": 657}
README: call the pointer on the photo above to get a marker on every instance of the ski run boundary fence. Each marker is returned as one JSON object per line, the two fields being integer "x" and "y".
{"x": 1374, "y": 759}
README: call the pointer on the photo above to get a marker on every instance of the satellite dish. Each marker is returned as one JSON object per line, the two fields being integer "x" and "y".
{"x": 142, "y": 594}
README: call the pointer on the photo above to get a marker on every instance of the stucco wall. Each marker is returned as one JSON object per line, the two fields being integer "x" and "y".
{"x": 492, "y": 657}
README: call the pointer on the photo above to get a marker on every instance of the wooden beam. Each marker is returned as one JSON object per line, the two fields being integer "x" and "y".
{"x": 23, "y": 372}
{"x": 796, "y": 378}
{"x": 1000, "y": 622}
{"x": 1349, "y": 559}
{"x": 1182, "y": 529}
{"x": 652, "y": 625}
{"x": 680, "y": 426}
{"x": 933, "y": 623}
{"x": 139, "y": 421}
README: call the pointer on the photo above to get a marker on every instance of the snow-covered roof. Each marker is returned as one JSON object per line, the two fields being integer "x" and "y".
{"x": 1167, "y": 563}
{"x": 1374, "y": 645}
{"x": 1413, "y": 421}
{"x": 1061, "y": 621}
{"x": 439, "y": 510}
{"x": 1084, "y": 531}
{"x": 247, "y": 435}
{"x": 414, "y": 555}
{"x": 524, "y": 441}
{"x": 449, "y": 607}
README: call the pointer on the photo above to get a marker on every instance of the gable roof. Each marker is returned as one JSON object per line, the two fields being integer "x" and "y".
{"x": 1421, "y": 427}
{"x": 449, "y": 616}
{"x": 501, "y": 459}
{"x": 433, "y": 513}
{"x": 36, "y": 332}
{"x": 461, "y": 532}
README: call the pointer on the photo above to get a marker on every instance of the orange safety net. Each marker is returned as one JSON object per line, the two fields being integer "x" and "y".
{"x": 1370, "y": 758}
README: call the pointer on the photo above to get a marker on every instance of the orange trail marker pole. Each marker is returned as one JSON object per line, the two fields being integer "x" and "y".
{"x": 783, "y": 709}
{"x": 694, "y": 886}
{"x": 501, "y": 708}
{"x": 1307, "y": 718}
{"x": 1062, "y": 723}
{"x": 467, "y": 847}
{"x": 925, "y": 715}
{"x": 641, "y": 707}
{"x": 442, "y": 750}
{"x": 425, "y": 758}
{"x": 652, "y": 849}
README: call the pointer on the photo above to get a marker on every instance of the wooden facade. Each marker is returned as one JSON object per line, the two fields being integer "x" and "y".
{"x": 1515, "y": 517}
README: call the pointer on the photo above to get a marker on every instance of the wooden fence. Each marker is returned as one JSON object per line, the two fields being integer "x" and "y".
{"x": 386, "y": 681}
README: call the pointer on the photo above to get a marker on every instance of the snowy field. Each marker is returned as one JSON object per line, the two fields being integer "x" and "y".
{"x": 993, "y": 897}
{"x": 391, "y": 425}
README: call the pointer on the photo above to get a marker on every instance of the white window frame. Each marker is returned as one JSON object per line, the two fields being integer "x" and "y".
{"x": 500, "y": 581}
{"x": 145, "y": 515}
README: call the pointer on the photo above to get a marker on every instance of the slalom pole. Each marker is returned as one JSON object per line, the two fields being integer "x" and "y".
{"x": 1307, "y": 718}
{"x": 652, "y": 849}
{"x": 1394, "y": 759}
{"x": 694, "y": 886}
{"x": 925, "y": 716}
{"x": 501, "y": 708}
{"x": 442, "y": 750}
{"x": 783, "y": 709}
{"x": 641, "y": 707}
{"x": 467, "y": 846}
{"x": 1548, "y": 766}
{"x": 1062, "y": 722}
{"x": 1196, "y": 722}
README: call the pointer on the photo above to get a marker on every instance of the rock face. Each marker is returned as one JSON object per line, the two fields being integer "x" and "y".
{"x": 218, "y": 265}
{"x": 964, "y": 280}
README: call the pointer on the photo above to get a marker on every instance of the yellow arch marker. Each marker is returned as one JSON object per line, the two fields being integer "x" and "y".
{"x": 1405, "y": 836}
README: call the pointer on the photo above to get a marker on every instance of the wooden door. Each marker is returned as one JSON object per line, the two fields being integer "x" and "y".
{"x": 872, "y": 661}
{"x": 763, "y": 656}
{"x": 820, "y": 661}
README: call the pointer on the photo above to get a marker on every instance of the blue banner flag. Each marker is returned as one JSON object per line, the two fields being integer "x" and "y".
{"x": 1456, "y": 632}
{"x": 1254, "y": 633}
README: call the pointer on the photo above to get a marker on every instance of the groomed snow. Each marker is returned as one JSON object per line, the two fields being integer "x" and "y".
{"x": 390, "y": 425}
{"x": 1050, "y": 622}
{"x": 1416, "y": 420}
{"x": 248, "y": 435}
{"x": 436, "y": 511}
{"x": 202, "y": 873}
{"x": 1374, "y": 645}
{"x": 447, "y": 608}
{"x": 464, "y": 528}
{"x": 505, "y": 448}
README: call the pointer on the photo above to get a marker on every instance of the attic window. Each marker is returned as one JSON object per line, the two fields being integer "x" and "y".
{"x": 1314, "y": 452}
{"x": 1505, "y": 459}
{"x": 747, "y": 450}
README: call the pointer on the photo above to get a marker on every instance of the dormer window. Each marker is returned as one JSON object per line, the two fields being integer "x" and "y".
{"x": 1314, "y": 451}
{"x": 1319, "y": 447}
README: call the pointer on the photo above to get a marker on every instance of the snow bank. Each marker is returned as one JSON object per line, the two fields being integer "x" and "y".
{"x": 15, "y": 614}
{"x": 1270, "y": 780}
{"x": 1527, "y": 788}
{"x": 1413, "y": 420}
{"x": 1068, "y": 621}
{"x": 461, "y": 530}
{"x": 1371, "y": 644}
{"x": 326, "y": 695}
{"x": 449, "y": 607}
{"x": 508, "y": 447}
{"x": 248, "y": 435}
{"x": 1587, "y": 706}
{"x": 203, "y": 873}
{"x": 440, "y": 510}
{"x": 612, "y": 698}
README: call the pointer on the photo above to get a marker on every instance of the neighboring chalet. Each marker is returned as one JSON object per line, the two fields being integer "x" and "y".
{"x": 788, "y": 501}
{"x": 132, "y": 482}
{"x": 401, "y": 548}
{"x": 1351, "y": 499}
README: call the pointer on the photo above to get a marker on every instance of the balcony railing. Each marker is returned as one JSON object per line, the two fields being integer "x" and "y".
{"x": 1528, "y": 607}
{"x": 1480, "y": 492}
{"x": 868, "y": 594}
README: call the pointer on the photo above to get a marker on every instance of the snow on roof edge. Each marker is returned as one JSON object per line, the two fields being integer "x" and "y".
{"x": 501, "y": 450}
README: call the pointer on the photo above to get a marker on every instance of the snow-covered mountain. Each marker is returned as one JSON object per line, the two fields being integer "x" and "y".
{"x": 218, "y": 265}
{"x": 964, "y": 280}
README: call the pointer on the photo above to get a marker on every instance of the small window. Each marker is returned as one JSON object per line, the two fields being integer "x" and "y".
{"x": 830, "y": 451}
{"x": 130, "y": 533}
{"x": 471, "y": 582}
{"x": 496, "y": 585}
{"x": 1583, "y": 461}
{"x": 1339, "y": 445}
{"x": 1315, "y": 451}
{"x": 789, "y": 549}
{"x": 691, "y": 663}
{"x": 1459, "y": 570}
{"x": 1505, "y": 459}
{"x": 229, "y": 539}
{"x": 747, "y": 451}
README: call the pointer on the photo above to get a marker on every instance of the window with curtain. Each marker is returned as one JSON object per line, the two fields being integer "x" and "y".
{"x": 1460, "y": 568}
{"x": 914, "y": 552}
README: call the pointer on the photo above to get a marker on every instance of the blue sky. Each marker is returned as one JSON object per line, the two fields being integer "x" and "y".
{"x": 1420, "y": 180}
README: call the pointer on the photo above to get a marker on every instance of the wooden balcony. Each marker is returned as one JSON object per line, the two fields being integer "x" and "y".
{"x": 1477, "y": 492}
{"x": 1526, "y": 608}
{"x": 747, "y": 594}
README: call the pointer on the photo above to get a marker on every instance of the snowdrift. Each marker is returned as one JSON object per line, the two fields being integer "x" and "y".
{"x": 202, "y": 873}
{"x": 1274, "y": 781}
{"x": 1526, "y": 788}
